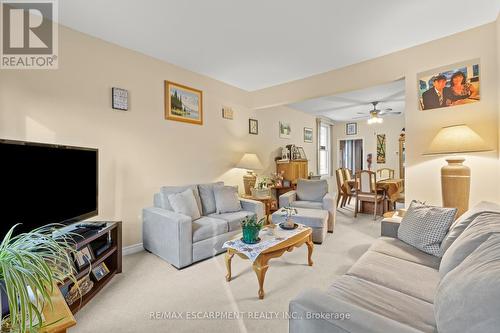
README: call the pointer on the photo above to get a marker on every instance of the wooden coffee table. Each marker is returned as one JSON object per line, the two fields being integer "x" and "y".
{"x": 260, "y": 265}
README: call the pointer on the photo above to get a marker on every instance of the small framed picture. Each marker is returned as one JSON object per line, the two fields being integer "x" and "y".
{"x": 308, "y": 135}
{"x": 302, "y": 153}
{"x": 119, "y": 99}
{"x": 253, "y": 126}
{"x": 100, "y": 271}
{"x": 83, "y": 257}
{"x": 286, "y": 183}
{"x": 351, "y": 128}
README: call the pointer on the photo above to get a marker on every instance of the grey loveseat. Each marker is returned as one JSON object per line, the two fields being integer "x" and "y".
{"x": 311, "y": 194}
{"x": 394, "y": 287}
{"x": 179, "y": 240}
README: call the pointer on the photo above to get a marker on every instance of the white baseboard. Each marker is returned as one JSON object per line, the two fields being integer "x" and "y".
{"x": 131, "y": 249}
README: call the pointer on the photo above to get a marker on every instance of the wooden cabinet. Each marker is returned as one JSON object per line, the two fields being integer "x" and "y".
{"x": 292, "y": 170}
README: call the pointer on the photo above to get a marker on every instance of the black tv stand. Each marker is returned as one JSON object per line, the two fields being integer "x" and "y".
{"x": 111, "y": 255}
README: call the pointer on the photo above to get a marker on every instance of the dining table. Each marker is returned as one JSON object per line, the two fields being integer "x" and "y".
{"x": 392, "y": 187}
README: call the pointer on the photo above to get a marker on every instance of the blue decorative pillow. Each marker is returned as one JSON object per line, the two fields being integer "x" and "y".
{"x": 425, "y": 227}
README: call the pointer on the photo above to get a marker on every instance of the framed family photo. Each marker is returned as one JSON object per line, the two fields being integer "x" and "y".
{"x": 83, "y": 257}
{"x": 448, "y": 86}
{"x": 100, "y": 271}
{"x": 183, "y": 103}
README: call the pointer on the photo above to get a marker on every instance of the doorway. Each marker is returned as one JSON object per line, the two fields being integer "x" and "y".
{"x": 351, "y": 154}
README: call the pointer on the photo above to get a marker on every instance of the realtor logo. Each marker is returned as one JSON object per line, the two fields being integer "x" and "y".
{"x": 29, "y": 34}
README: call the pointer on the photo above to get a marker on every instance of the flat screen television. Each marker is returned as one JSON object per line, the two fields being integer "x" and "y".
{"x": 46, "y": 183}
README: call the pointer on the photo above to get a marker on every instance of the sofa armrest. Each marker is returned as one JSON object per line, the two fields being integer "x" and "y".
{"x": 314, "y": 310}
{"x": 168, "y": 235}
{"x": 253, "y": 206}
{"x": 287, "y": 198}
{"x": 389, "y": 227}
{"x": 330, "y": 205}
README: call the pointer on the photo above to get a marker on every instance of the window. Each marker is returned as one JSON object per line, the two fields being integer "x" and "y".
{"x": 324, "y": 149}
{"x": 351, "y": 155}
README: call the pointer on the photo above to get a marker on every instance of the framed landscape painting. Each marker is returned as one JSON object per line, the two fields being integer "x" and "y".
{"x": 183, "y": 103}
{"x": 308, "y": 134}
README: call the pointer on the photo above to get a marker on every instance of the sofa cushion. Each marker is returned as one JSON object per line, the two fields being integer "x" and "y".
{"x": 226, "y": 199}
{"x": 385, "y": 302}
{"x": 233, "y": 219}
{"x": 425, "y": 227}
{"x": 463, "y": 222}
{"x": 404, "y": 276}
{"x": 185, "y": 203}
{"x": 399, "y": 249}
{"x": 165, "y": 191}
{"x": 478, "y": 231}
{"x": 307, "y": 204}
{"x": 207, "y": 197}
{"x": 208, "y": 227}
{"x": 468, "y": 297}
{"x": 311, "y": 190}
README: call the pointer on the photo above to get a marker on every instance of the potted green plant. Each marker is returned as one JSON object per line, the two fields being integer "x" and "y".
{"x": 31, "y": 265}
{"x": 251, "y": 228}
{"x": 287, "y": 213}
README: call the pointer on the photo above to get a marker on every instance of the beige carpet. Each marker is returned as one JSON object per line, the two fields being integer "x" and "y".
{"x": 149, "y": 284}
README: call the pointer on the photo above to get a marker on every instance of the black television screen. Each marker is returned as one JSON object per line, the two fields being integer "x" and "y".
{"x": 42, "y": 183}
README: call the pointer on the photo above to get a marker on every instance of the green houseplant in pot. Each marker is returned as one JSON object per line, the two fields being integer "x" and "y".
{"x": 31, "y": 265}
{"x": 251, "y": 228}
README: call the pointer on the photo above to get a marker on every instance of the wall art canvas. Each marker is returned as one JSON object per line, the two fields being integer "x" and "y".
{"x": 448, "y": 86}
{"x": 380, "y": 148}
{"x": 308, "y": 135}
{"x": 183, "y": 103}
{"x": 253, "y": 126}
{"x": 285, "y": 130}
{"x": 351, "y": 128}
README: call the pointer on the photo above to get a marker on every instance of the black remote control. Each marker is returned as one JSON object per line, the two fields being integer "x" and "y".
{"x": 92, "y": 225}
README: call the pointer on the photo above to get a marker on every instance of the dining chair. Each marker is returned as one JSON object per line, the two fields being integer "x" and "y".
{"x": 365, "y": 183}
{"x": 348, "y": 189}
{"x": 385, "y": 173}
{"x": 340, "y": 182}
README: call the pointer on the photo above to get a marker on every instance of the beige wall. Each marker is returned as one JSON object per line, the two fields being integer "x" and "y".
{"x": 391, "y": 127}
{"x": 139, "y": 150}
{"x": 422, "y": 172}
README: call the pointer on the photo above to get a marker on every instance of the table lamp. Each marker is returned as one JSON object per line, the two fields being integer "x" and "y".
{"x": 250, "y": 162}
{"x": 455, "y": 177}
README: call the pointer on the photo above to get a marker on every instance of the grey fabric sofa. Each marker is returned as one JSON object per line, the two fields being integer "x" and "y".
{"x": 179, "y": 240}
{"x": 395, "y": 287}
{"x": 312, "y": 194}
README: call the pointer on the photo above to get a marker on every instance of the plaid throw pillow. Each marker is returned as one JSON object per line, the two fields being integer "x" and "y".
{"x": 425, "y": 227}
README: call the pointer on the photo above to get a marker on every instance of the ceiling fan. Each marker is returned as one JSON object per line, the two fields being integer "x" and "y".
{"x": 375, "y": 116}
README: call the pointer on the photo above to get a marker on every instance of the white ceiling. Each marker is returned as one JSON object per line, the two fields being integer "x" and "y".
{"x": 253, "y": 44}
{"x": 347, "y": 106}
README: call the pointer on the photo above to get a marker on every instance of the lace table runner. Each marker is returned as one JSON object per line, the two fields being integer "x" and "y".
{"x": 267, "y": 241}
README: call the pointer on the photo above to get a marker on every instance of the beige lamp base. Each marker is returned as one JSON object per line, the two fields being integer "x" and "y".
{"x": 455, "y": 185}
{"x": 249, "y": 180}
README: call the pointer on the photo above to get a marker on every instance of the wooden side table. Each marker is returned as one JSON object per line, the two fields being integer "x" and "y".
{"x": 266, "y": 201}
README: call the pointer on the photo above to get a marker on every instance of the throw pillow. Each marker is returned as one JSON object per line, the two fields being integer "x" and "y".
{"x": 463, "y": 221}
{"x": 207, "y": 197}
{"x": 185, "y": 203}
{"x": 226, "y": 199}
{"x": 425, "y": 227}
{"x": 478, "y": 231}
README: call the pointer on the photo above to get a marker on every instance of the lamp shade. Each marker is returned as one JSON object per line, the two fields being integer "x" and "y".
{"x": 456, "y": 139}
{"x": 250, "y": 162}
